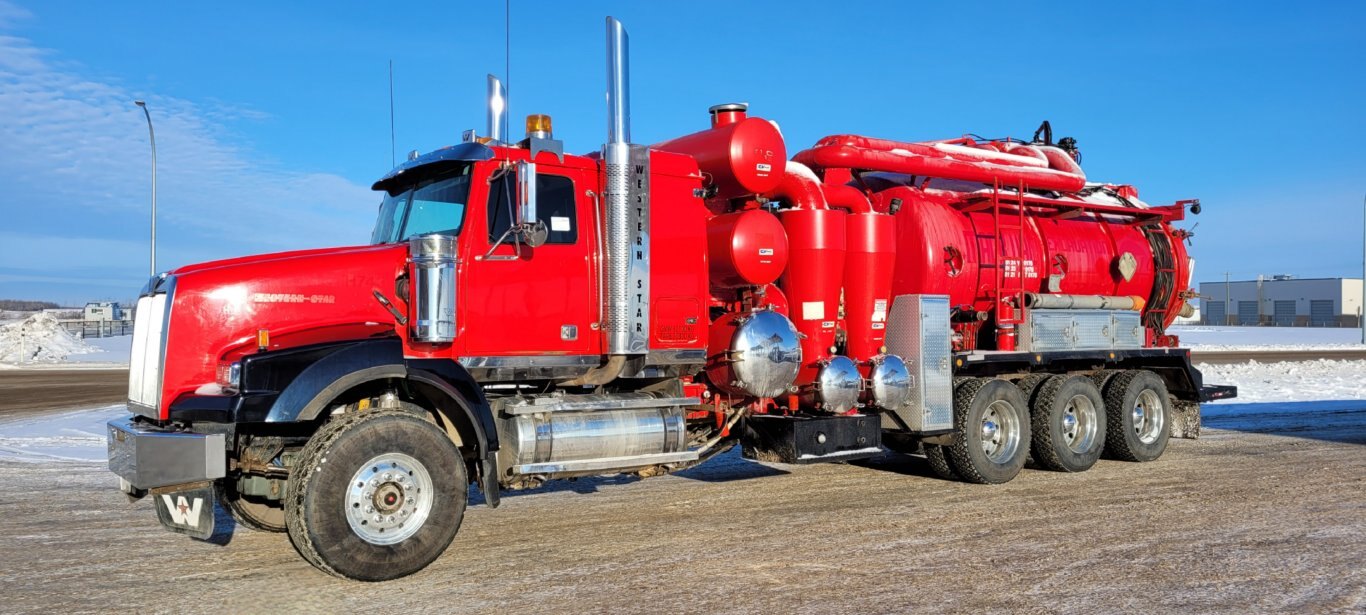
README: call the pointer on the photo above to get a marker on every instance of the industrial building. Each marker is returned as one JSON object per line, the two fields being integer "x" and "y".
{"x": 1282, "y": 300}
{"x": 102, "y": 311}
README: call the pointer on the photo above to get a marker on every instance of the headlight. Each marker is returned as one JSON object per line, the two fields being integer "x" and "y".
{"x": 230, "y": 375}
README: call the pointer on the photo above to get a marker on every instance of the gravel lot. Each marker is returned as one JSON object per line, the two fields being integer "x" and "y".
{"x": 1264, "y": 513}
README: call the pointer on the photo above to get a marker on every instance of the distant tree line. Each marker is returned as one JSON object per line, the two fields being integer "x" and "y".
{"x": 19, "y": 305}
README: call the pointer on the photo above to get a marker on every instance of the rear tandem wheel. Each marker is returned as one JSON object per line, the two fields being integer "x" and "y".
{"x": 992, "y": 419}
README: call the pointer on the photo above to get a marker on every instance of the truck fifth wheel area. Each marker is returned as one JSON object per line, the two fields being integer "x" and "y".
{"x": 523, "y": 314}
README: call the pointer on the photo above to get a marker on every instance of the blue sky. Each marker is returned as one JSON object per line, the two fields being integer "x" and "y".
{"x": 272, "y": 118}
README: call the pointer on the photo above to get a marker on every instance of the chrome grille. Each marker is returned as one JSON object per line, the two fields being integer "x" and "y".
{"x": 149, "y": 346}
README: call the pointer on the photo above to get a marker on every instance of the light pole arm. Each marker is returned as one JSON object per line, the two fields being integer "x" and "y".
{"x": 152, "y": 136}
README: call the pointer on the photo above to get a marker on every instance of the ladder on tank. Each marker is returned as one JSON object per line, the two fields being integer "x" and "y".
{"x": 1009, "y": 300}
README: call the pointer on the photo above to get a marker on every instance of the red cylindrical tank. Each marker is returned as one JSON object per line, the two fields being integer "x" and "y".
{"x": 817, "y": 243}
{"x": 740, "y": 155}
{"x": 870, "y": 258}
{"x": 945, "y": 251}
{"x": 746, "y": 248}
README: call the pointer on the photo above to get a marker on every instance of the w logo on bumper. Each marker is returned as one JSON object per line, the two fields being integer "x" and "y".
{"x": 188, "y": 512}
{"x": 183, "y": 513}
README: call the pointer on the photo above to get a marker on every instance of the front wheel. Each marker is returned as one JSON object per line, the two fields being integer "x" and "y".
{"x": 376, "y": 495}
{"x": 256, "y": 513}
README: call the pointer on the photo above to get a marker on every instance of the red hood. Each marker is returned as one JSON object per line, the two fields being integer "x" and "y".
{"x": 303, "y": 297}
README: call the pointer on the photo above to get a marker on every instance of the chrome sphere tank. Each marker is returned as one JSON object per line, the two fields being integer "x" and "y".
{"x": 890, "y": 382}
{"x": 838, "y": 384}
{"x": 759, "y": 354}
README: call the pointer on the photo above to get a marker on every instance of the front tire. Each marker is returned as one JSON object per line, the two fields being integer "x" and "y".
{"x": 1137, "y": 407}
{"x": 1068, "y": 421}
{"x": 376, "y": 495}
{"x": 992, "y": 418}
{"x": 258, "y": 515}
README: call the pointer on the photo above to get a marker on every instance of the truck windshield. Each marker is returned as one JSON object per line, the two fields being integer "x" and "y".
{"x": 433, "y": 205}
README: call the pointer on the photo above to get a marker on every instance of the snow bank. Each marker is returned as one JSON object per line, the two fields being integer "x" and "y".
{"x": 1290, "y": 381}
{"x": 1267, "y": 338}
{"x": 39, "y": 339}
{"x": 77, "y": 435}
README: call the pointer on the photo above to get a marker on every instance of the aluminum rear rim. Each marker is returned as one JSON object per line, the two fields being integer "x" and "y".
{"x": 1148, "y": 417}
{"x": 1000, "y": 431}
{"x": 1080, "y": 422}
{"x": 389, "y": 499}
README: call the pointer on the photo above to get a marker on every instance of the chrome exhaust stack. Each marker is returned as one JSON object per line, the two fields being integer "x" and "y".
{"x": 618, "y": 83}
{"x": 498, "y": 111}
{"x": 627, "y": 210}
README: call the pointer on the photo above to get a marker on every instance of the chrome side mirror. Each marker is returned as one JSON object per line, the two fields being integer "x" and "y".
{"x": 532, "y": 231}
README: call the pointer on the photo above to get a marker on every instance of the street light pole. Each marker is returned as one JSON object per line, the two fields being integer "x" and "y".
{"x": 153, "y": 136}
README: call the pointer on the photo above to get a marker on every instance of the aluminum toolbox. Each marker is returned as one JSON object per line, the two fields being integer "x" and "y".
{"x": 918, "y": 331}
{"x": 1046, "y": 330}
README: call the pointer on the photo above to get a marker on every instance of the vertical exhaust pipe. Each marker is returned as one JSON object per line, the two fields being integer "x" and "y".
{"x": 498, "y": 111}
{"x": 617, "y": 156}
{"x": 618, "y": 83}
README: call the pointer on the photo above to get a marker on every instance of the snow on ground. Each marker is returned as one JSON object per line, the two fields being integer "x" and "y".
{"x": 108, "y": 350}
{"x": 1290, "y": 381}
{"x": 39, "y": 339}
{"x": 75, "y": 435}
{"x": 1199, "y": 337}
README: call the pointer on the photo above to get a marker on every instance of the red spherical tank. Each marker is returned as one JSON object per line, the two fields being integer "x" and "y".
{"x": 813, "y": 279}
{"x": 746, "y": 248}
{"x": 740, "y": 155}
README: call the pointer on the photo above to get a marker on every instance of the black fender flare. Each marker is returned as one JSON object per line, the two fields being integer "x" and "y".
{"x": 443, "y": 382}
{"x": 308, "y": 393}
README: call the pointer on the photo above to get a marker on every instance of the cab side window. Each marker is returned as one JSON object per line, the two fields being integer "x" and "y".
{"x": 554, "y": 207}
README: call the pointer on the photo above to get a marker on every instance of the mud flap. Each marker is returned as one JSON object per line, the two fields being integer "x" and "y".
{"x": 1185, "y": 419}
{"x": 187, "y": 511}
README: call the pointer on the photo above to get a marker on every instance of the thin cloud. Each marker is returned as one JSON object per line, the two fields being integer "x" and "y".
{"x": 75, "y": 157}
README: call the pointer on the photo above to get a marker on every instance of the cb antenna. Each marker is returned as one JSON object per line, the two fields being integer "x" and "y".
{"x": 507, "y": 58}
{"x": 392, "y": 160}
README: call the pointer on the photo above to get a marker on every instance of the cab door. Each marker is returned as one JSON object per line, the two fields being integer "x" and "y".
{"x": 519, "y": 300}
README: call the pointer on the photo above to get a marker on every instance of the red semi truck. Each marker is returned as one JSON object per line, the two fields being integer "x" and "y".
{"x": 523, "y": 315}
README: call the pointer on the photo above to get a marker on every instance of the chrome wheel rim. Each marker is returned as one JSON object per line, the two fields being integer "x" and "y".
{"x": 389, "y": 499}
{"x": 1000, "y": 431}
{"x": 1080, "y": 422}
{"x": 1148, "y": 417}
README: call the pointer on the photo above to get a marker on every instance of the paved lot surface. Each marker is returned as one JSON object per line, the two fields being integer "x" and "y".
{"x": 26, "y": 390}
{"x": 1267, "y": 512}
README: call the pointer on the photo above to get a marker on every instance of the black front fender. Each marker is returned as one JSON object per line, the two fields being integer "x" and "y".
{"x": 305, "y": 396}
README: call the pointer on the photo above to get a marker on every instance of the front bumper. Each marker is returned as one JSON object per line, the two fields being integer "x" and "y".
{"x": 147, "y": 457}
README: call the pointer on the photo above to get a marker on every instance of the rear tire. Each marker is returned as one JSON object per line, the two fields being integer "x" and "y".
{"x": 939, "y": 462}
{"x": 376, "y": 495}
{"x": 1138, "y": 410}
{"x": 992, "y": 419}
{"x": 1068, "y": 421}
